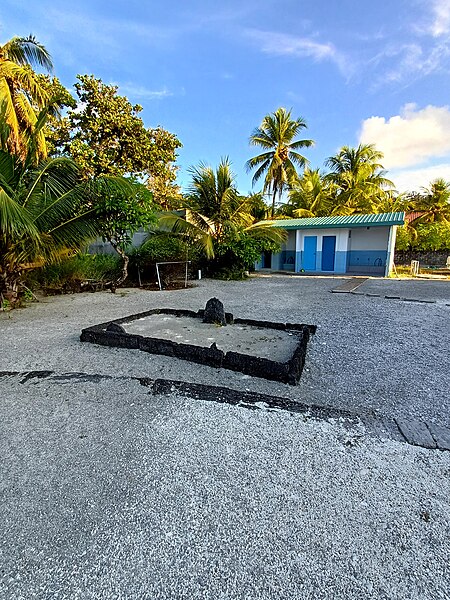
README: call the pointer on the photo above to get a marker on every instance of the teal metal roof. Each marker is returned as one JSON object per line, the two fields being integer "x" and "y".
{"x": 379, "y": 220}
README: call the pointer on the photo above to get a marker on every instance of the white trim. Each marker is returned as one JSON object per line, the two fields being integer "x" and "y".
{"x": 391, "y": 250}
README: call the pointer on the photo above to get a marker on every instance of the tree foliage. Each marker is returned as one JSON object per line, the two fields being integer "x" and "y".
{"x": 312, "y": 196}
{"x": 278, "y": 164}
{"x": 359, "y": 178}
{"x": 42, "y": 216}
{"x": 23, "y": 97}
{"x": 433, "y": 203}
{"x": 120, "y": 212}
{"x": 222, "y": 220}
{"x": 105, "y": 135}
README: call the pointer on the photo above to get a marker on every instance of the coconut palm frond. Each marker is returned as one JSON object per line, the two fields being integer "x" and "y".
{"x": 177, "y": 224}
{"x": 27, "y": 51}
{"x": 267, "y": 231}
{"x": 14, "y": 219}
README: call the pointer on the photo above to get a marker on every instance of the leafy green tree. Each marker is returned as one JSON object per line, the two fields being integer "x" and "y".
{"x": 120, "y": 213}
{"x": 359, "y": 178}
{"x": 391, "y": 201}
{"x": 47, "y": 211}
{"x": 105, "y": 135}
{"x": 277, "y": 164}
{"x": 312, "y": 196}
{"x": 22, "y": 95}
{"x": 424, "y": 236}
{"x": 432, "y": 236}
{"x": 222, "y": 220}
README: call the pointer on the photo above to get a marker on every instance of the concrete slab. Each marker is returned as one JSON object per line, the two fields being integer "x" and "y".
{"x": 416, "y": 433}
{"x": 349, "y": 286}
{"x": 266, "y": 343}
{"x": 441, "y": 435}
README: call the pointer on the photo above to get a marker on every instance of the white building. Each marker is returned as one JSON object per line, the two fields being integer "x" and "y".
{"x": 357, "y": 244}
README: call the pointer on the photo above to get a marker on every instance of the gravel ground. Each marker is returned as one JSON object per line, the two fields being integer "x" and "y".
{"x": 368, "y": 353}
{"x": 420, "y": 289}
{"x": 108, "y": 493}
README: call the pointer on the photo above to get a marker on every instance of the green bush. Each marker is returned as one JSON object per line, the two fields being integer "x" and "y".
{"x": 433, "y": 236}
{"x": 158, "y": 248}
{"x": 238, "y": 254}
{"x": 424, "y": 236}
{"x": 70, "y": 273}
{"x": 161, "y": 247}
{"x": 403, "y": 239}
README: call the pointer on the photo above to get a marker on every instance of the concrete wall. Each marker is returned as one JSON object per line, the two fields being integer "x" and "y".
{"x": 101, "y": 247}
{"x": 287, "y": 254}
{"x": 368, "y": 250}
{"x": 340, "y": 260}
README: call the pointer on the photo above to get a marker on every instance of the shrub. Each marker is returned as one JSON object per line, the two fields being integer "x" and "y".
{"x": 238, "y": 254}
{"x": 69, "y": 274}
{"x": 424, "y": 236}
{"x": 161, "y": 247}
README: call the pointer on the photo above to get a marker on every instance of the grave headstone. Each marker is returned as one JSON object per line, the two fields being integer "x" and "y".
{"x": 214, "y": 312}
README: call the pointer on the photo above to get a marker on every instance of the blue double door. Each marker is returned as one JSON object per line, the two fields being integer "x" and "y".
{"x": 310, "y": 253}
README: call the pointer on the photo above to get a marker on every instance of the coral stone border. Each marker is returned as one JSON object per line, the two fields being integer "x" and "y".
{"x": 285, "y": 372}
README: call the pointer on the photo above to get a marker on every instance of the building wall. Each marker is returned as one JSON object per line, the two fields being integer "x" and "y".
{"x": 101, "y": 247}
{"x": 358, "y": 250}
{"x": 368, "y": 250}
{"x": 340, "y": 261}
{"x": 287, "y": 254}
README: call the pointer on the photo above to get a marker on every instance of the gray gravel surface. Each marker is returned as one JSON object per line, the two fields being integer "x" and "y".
{"x": 368, "y": 353}
{"x": 420, "y": 289}
{"x": 109, "y": 493}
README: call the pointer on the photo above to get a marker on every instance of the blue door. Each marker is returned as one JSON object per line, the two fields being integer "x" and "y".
{"x": 328, "y": 252}
{"x": 309, "y": 252}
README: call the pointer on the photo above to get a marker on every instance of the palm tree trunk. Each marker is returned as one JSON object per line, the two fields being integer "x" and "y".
{"x": 273, "y": 200}
{"x": 125, "y": 260}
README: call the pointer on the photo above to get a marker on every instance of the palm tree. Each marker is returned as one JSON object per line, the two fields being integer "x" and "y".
{"x": 434, "y": 203}
{"x": 216, "y": 214}
{"x": 311, "y": 197}
{"x": 276, "y": 135}
{"x": 359, "y": 177}
{"x": 42, "y": 214}
{"x": 22, "y": 95}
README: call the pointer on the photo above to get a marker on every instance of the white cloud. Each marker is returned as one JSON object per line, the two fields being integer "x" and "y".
{"x": 137, "y": 91}
{"x": 441, "y": 22}
{"x": 412, "y": 180}
{"x": 283, "y": 44}
{"x": 409, "y": 62}
{"x": 411, "y": 138}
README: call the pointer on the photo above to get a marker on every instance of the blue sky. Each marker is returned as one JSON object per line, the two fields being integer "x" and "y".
{"x": 209, "y": 71}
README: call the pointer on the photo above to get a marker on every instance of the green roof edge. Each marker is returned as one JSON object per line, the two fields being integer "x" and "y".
{"x": 342, "y": 221}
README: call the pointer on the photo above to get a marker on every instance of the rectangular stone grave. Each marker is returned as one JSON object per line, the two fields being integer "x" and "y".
{"x": 270, "y": 350}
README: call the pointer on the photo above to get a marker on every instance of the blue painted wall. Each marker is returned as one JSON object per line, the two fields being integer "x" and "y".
{"x": 340, "y": 262}
{"x": 287, "y": 260}
{"x": 367, "y": 258}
